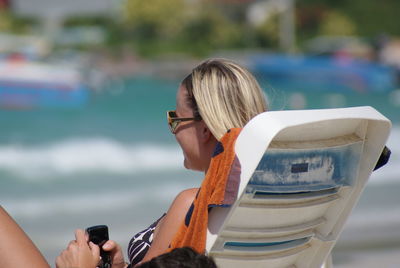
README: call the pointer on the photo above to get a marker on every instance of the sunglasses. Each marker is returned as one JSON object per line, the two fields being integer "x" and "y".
{"x": 173, "y": 120}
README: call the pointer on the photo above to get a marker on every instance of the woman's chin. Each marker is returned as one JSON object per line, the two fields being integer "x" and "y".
{"x": 190, "y": 166}
{"x": 186, "y": 164}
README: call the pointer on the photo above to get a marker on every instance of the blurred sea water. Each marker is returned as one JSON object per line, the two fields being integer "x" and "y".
{"x": 115, "y": 162}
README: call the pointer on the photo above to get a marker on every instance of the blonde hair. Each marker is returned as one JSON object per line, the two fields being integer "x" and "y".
{"x": 224, "y": 94}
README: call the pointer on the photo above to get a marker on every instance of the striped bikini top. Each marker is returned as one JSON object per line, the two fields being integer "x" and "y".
{"x": 140, "y": 243}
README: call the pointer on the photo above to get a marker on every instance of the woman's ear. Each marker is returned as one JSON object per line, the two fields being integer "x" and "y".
{"x": 205, "y": 133}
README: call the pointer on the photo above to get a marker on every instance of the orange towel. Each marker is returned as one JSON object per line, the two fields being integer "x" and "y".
{"x": 219, "y": 188}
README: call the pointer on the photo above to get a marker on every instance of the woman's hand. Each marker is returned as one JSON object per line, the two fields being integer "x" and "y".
{"x": 79, "y": 254}
{"x": 117, "y": 257}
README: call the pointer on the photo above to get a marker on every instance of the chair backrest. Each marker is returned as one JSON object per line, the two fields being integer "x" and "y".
{"x": 302, "y": 172}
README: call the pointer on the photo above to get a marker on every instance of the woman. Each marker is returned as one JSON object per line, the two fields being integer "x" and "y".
{"x": 218, "y": 95}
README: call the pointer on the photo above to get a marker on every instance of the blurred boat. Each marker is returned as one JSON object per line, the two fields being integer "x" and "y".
{"x": 28, "y": 84}
{"x": 324, "y": 74}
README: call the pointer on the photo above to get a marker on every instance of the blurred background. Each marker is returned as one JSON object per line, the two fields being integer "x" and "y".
{"x": 84, "y": 86}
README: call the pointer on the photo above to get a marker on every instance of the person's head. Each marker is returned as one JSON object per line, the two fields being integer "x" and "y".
{"x": 224, "y": 94}
{"x": 180, "y": 258}
{"x": 217, "y": 95}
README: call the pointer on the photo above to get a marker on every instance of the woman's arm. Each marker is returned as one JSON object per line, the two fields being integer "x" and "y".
{"x": 169, "y": 225}
{"x": 16, "y": 248}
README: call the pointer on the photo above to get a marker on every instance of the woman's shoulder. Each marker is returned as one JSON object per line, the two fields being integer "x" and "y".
{"x": 186, "y": 196}
{"x": 188, "y": 193}
{"x": 170, "y": 223}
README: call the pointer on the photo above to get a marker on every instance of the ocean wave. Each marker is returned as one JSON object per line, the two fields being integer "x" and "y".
{"x": 94, "y": 155}
{"x": 91, "y": 201}
{"x": 104, "y": 155}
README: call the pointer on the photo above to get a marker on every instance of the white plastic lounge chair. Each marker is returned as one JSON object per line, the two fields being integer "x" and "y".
{"x": 302, "y": 174}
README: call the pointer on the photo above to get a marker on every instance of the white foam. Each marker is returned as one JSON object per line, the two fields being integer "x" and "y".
{"x": 94, "y": 155}
{"x": 100, "y": 155}
{"x": 99, "y": 201}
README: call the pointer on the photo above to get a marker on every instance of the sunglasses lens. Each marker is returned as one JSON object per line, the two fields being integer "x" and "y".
{"x": 173, "y": 120}
{"x": 173, "y": 126}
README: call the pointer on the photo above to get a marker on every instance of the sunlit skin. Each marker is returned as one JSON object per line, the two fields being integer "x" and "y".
{"x": 194, "y": 137}
{"x": 16, "y": 249}
{"x": 197, "y": 144}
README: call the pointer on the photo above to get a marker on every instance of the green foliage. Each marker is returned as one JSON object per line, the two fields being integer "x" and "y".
{"x": 207, "y": 30}
{"x": 114, "y": 34}
{"x": 365, "y": 18}
{"x": 153, "y": 19}
{"x": 158, "y": 26}
{"x": 11, "y": 23}
{"x": 267, "y": 34}
{"x": 374, "y": 17}
{"x": 198, "y": 27}
{"x": 336, "y": 23}
{"x": 6, "y": 22}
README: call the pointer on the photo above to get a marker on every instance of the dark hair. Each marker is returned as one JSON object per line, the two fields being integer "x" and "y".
{"x": 188, "y": 84}
{"x": 184, "y": 257}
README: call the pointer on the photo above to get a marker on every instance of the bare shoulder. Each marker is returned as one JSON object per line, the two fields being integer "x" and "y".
{"x": 179, "y": 206}
{"x": 182, "y": 202}
{"x": 186, "y": 196}
{"x": 170, "y": 224}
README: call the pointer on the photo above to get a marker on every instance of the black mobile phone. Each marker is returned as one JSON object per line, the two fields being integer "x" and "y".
{"x": 98, "y": 234}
